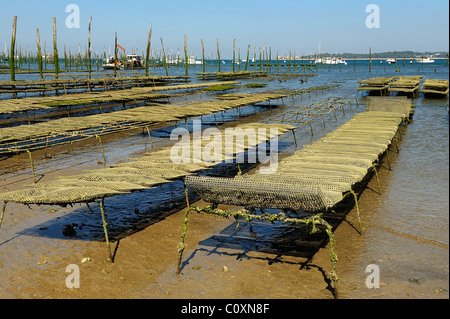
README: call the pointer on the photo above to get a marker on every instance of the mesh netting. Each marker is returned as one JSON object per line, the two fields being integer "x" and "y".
{"x": 162, "y": 173}
{"x": 275, "y": 194}
{"x": 305, "y": 180}
{"x": 133, "y": 179}
{"x": 58, "y": 196}
{"x": 158, "y": 166}
{"x": 364, "y": 163}
{"x": 114, "y": 185}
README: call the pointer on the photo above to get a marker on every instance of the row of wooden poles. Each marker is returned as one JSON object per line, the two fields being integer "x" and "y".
{"x": 265, "y": 56}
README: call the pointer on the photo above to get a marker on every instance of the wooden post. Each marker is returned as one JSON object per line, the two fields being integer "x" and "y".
{"x": 12, "y": 62}
{"x": 270, "y": 59}
{"x": 147, "y": 57}
{"x": 115, "y": 55}
{"x": 104, "y": 224}
{"x": 32, "y": 166}
{"x": 39, "y": 54}
{"x": 65, "y": 59}
{"x": 218, "y": 53}
{"x": 89, "y": 49}
{"x": 55, "y": 50}
{"x": 3, "y": 213}
{"x": 164, "y": 57}
{"x": 289, "y": 63}
{"x": 203, "y": 56}
{"x": 248, "y": 53}
{"x": 395, "y": 59}
{"x": 254, "y": 59}
{"x": 260, "y": 60}
{"x": 103, "y": 151}
{"x": 370, "y": 59}
{"x": 186, "y": 60}
{"x": 278, "y": 62}
{"x": 234, "y": 52}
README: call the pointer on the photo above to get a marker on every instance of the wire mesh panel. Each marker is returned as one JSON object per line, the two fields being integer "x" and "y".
{"x": 275, "y": 194}
{"x": 57, "y": 196}
{"x": 146, "y": 181}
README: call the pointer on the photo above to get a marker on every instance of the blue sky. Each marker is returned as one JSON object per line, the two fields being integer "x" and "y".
{"x": 288, "y": 25}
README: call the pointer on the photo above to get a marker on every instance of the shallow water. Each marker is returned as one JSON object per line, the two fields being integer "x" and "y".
{"x": 406, "y": 227}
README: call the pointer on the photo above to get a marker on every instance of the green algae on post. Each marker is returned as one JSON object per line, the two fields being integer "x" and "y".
{"x": 186, "y": 60}
{"x": 203, "y": 56}
{"x": 147, "y": 56}
{"x": 89, "y": 49}
{"x": 55, "y": 50}
{"x": 12, "y": 62}
{"x": 218, "y": 53}
{"x": 164, "y": 57}
{"x": 115, "y": 54}
{"x": 234, "y": 53}
{"x": 246, "y": 61}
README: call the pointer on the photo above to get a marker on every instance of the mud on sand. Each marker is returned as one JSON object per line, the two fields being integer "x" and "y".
{"x": 145, "y": 267}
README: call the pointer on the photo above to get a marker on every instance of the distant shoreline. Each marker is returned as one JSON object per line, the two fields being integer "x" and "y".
{"x": 376, "y": 58}
{"x": 398, "y": 59}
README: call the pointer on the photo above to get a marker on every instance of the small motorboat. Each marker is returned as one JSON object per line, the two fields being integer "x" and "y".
{"x": 390, "y": 61}
{"x": 111, "y": 63}
{"x": 133, "y": 61}
{"x": 424, "y": 59}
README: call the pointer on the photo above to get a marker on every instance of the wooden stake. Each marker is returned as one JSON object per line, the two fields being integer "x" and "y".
{"x": 147, "y": 57}
{"x": 102, "y": 211}
{"x": 248, "y": 53}
{"x": 186, "y": 61}
{"x": 12, "y": 62}
{"x": 115, "y": 55}
{"x": 32, "y": 166}
{"x": 3, "y": 213}
{"x": 234, "y": 50}
{"x": 218, "y": 53}
{"x": 89, "y": 50}
{"x": 39, "y": 54}
{"x": 203, "y": 56}
{"x": 101, "y": 146}
{"x": 182, "y": 246}
{"x": 150, "y": 137}
{"x": 361, "y": 229}
{"x": 55, "y": 50}
{"x": 164, "y": 57}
